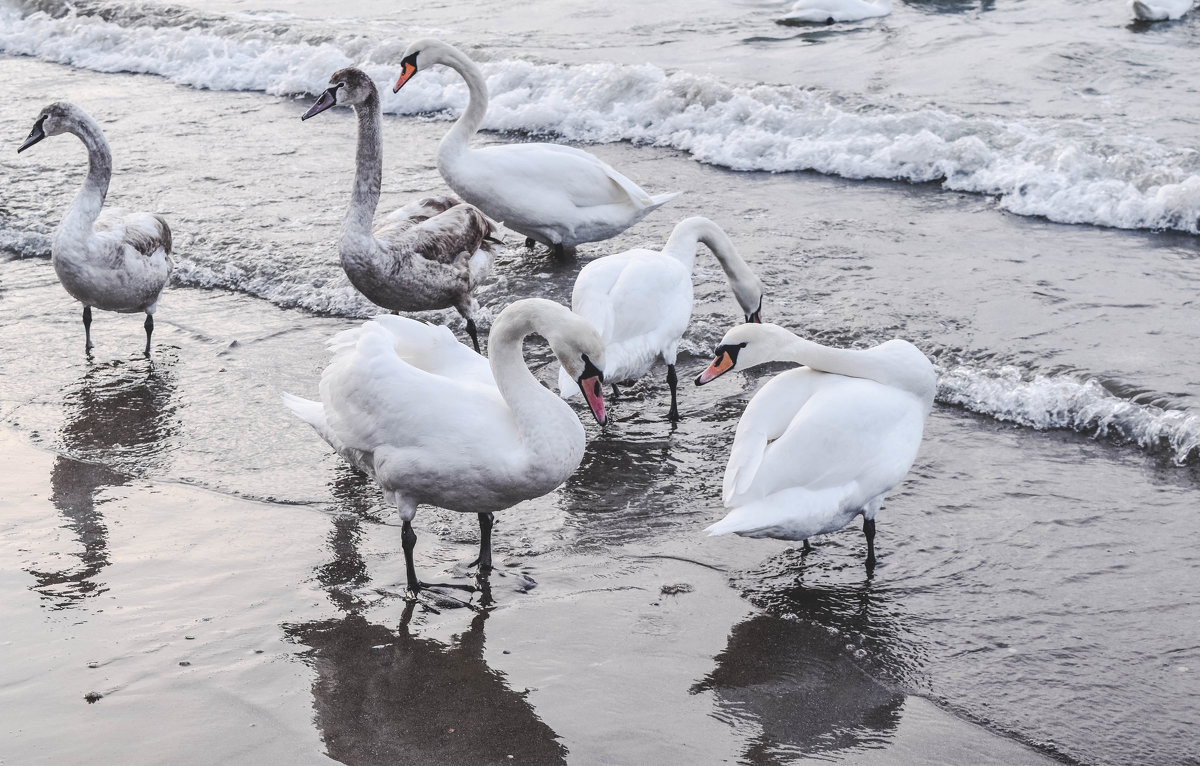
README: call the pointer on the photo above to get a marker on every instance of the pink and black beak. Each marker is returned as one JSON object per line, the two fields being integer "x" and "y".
{"x": 591, "y": 383}
{"x": 726, "y": 358}
{"x": 35, "y": 135}
{"x": 755, "y": 317}
{"x": 408, "y": 67}
{"x": 324, "y": 101}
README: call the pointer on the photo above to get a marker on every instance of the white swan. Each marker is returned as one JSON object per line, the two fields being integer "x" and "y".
{"x": 429, "y": 254}
{"x": 641, "y": 301}
{"x": 557, "y": 195}
{"x": 1159, "y": 10}
{"x": 113, "y": 261}
{"x": 823, "y": 443}
{"x": 831, "y": 11}
{"x": 434, "y": 422}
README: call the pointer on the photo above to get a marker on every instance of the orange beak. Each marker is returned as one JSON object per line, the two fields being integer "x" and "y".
{"x": 593, "y": 392}
{"x": 721, "y": 365}
{"x": 410, "y": 68}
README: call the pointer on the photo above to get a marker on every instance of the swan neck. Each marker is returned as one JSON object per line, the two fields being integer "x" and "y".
{"x": 855, "y": 363}
{"x": 85, "y": 208}
{"x": 368, "y": 169}
{"x": 682, "y": 243}
{"x": 532, "y": 404}
{"x": 459, "y": 136}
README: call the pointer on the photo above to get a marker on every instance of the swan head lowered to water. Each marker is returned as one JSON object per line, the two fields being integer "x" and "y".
{"x": 434, "y": 422}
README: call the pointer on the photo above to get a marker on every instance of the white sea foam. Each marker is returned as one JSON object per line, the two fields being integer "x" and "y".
{"x": 1065, "y": 171}
{"x": 1049, "y": 402}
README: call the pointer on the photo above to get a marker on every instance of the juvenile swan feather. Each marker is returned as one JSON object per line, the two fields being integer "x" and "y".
{"x": 429, "y": 254}
{"x": 109, "y": 260}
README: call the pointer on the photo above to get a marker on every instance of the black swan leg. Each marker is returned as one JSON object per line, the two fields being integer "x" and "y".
{"x": 87, "y": 327}
{"x": 484, "y": 562}
{"x": 673, "y": 382}
{"x": 869, "y": 533}
{"x": 149, "y": 331}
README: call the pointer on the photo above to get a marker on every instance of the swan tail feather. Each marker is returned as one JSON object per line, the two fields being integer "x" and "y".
{"x": 791, "y": 514}
{"x": 659, "y": 200}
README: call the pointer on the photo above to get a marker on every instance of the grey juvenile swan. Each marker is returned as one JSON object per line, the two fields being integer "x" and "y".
{"x": 429, "y": 254}
{"x": 113, "y": 261}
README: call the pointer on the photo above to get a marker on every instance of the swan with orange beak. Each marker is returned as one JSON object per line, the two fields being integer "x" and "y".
{"x": 823, "y": 443}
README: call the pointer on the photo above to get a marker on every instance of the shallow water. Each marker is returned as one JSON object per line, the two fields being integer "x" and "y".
{"x": 1034, "y": 574}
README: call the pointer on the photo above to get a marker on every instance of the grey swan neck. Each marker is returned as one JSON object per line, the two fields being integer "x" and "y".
{"x": 85, "y": 208}
{"x": 357, "y": 233}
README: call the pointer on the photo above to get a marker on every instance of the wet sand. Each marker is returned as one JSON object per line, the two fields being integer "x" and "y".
{"x": 218, "y": 627}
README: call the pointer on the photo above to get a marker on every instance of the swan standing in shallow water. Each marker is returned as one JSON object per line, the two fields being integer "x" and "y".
{"x": 1159, "y": 10}
{"x": 115, "y": 262}
{"x": 557, "y": 195}
{"x": 434, "y": 422}
{"x": 641, "y": 301}
{"x": 429, "y": 254}
{"x": 831, "y": 11}
{"x": 820, "y": 444}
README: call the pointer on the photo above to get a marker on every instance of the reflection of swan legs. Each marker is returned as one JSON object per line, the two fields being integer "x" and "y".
{"x": 805, "y": 548}
{"x": 484, "y": 562}
{"x": 471, "y": 330}
{"x": 149, "y": 329}
{"x": 530, "y": 243}
{"x": 87, "y": 327}
{"x": 869, "y": 532}
{"x": 673, "y": 382}
{"x": 616, "y": 391}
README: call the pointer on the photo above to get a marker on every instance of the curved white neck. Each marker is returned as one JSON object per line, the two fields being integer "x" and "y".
{"x": 681, "y": 245}
{"x": 459, "y": 136}
{"x": 368, "y": 172}
{"x": 895, "y": 363}
{"x": 541, "y": 416}
{"x": 85, "y": 208}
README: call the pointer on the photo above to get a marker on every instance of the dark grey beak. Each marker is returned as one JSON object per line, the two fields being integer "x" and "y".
{"x": 35, "y": 135}
{"x": 324, "y": 101}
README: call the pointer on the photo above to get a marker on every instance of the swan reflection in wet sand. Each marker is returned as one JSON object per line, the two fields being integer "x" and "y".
{"x": 115, "y": 422}
{"x": 807, "y": 672}
{"x": 386, "y": 696}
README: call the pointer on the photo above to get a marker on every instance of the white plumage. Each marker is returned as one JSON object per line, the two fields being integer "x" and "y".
{"x": 641, "y": 300}
{"x": 430, "y": 254}
{"x": 434, "y": 422}
{"x": 831, "y": 11}
{"x": 557, "y": 195}
{"x": 1159, "y": 10}
{"x": 823, "y": 443}
{"x": 109, "y": 260}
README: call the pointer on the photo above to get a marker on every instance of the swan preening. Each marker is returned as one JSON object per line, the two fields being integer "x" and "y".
{"x": 434, "y": 422}
{"x": 832, "y": 11}
{"x": 820, "y": 444}
{"x": 1159, "y": 10}
{"x": 112, "y": 261}
{"x": 641, "y": 301}
{"x": 557, "y": 195}
{"x": 429, "y": 254}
